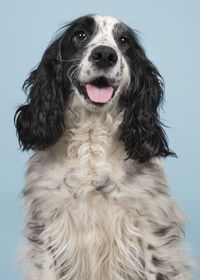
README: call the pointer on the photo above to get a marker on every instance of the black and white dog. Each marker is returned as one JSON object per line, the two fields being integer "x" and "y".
{"x": 98, "y": 205}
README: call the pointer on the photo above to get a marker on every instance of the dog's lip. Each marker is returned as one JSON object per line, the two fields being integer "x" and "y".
{"x": 99, "y": 82}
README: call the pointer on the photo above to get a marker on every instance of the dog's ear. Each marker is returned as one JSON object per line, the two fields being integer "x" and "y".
{"x": 142, "y": 131}
{"x": 40, "y": 122}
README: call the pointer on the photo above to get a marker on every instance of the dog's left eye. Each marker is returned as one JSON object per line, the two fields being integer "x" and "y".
{"x": 80, "y": 36}
{"x": 124, "y": 41}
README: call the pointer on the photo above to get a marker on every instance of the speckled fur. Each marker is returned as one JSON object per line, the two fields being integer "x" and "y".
{"x": 129, "y": 229}
{"x": 92, "y": 215}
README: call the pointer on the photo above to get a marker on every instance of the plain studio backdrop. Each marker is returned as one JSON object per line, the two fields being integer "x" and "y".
{"x": 169, "y": 31}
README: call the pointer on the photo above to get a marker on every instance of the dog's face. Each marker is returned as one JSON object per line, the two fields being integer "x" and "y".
{"x": 103, "y": 71}
{"x": 98, "y": 55}
{"x": 97, "y": 60}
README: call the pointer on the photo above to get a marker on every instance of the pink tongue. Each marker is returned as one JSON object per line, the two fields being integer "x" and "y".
{"x": 99, "y": 95}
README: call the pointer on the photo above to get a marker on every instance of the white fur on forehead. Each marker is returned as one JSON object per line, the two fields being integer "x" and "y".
{"x": 105, "y": 21}
{"x": 105, "y": 26}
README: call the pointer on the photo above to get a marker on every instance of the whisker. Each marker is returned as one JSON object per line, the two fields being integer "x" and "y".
{"x": 71, "y": 71}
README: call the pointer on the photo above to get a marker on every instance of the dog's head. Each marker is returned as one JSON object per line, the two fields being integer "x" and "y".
{"x": 99, "y": 60}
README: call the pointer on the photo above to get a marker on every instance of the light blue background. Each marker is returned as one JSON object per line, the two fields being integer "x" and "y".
{"x": 170, "y": 33}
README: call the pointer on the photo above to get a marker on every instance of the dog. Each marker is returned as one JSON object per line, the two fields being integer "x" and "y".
{"x": 97, "y": 202}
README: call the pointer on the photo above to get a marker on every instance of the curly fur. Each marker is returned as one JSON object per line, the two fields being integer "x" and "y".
{"x": 97, "y": 201}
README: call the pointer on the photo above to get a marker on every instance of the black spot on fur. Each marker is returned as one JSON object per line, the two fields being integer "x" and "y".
{"x": 33, "y": 231}
{"x": 160, "y": 276}
{"x": 156, "y": 261}
{"x": 104, "y": 185}
{"x": 150, "y": 247}
{"x": 161, "y": 190}
{"x": 35, "y": 239}
{"x": 172, "y": 239}
{"x": 163, "y": 231}
{"x": 51, "y": 249}
{"x": 39, "y": 266}
{"x": 151, "y": 272}
{"x": 64, "y": 269}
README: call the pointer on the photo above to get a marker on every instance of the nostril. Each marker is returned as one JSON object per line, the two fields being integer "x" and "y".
{"x": 113, "y": 58}
{"x": 97, "y": 56}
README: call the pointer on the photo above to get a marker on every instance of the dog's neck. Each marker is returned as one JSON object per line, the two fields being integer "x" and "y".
{"x": 91, "y": 142}
{"x": 102, "y": 122}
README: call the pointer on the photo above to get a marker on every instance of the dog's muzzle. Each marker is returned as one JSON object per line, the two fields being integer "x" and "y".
{"x": 100, "y": 89}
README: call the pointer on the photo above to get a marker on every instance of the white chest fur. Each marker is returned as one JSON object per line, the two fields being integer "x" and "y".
{"x": 91, "y": 210}
{"x": 70, "y": 190}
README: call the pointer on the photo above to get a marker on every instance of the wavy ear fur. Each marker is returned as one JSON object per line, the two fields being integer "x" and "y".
{"x": 40, "y": 121}
{"x": 142, "y": 131}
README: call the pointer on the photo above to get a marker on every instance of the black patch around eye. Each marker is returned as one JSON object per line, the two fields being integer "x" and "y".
{"x": 122, "y": 35}
{"x": 69, "y": 47}
{"x": 86, "y": 24}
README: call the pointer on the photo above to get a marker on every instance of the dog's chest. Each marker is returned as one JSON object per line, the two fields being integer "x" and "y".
{"x": 94, "y": 237}
{"x": 88, "y": 232}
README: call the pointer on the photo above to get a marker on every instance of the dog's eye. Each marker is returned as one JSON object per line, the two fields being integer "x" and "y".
{"x": 124, "y": 41}
{"x": 80, "y": 36}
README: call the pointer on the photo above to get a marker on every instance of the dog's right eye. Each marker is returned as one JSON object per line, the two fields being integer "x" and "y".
{"x": 80, "y": 36}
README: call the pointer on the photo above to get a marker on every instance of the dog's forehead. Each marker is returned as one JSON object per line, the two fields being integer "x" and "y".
{"x": 105, "y": 26}
{"x": 106, "y": 22}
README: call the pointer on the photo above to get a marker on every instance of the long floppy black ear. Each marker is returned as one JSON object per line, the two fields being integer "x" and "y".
{"x": 142, "y": 131}
{"x": 40, "y": 122}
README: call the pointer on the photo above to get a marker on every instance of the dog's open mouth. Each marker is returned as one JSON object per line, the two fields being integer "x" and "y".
{"x": 98, "y": 91}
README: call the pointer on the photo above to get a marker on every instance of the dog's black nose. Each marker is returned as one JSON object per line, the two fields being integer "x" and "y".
{"x": 103, "y": 57}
